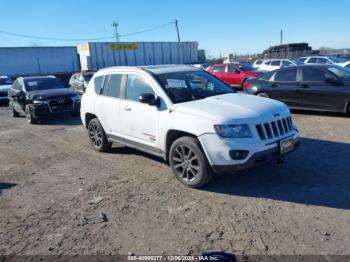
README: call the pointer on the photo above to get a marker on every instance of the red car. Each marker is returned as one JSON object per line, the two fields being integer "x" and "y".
{"x": 233, "y": 74}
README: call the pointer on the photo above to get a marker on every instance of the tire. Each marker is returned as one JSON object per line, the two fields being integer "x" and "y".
{"x": 194, "y": 173}
{"x": 97, "y": 136}
{"x": 29, "y": 115}
{"x": 263, "y": 95}
{"x": 13, "y": 112}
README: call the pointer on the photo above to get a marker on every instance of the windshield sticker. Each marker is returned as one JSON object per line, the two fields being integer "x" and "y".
{"x": 176, "y": 83}
{"x": 32, "y": 83}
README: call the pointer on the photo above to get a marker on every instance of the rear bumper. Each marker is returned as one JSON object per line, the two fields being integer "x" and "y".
{"x": 254, "y": 160}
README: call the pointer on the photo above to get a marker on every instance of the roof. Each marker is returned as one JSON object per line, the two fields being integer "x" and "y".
{"x": 163, "y": 69}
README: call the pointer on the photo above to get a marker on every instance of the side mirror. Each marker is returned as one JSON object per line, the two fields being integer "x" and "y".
{"x": 148, "y": 98}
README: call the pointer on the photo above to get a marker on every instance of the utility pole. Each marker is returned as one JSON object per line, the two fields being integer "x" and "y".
{"x": 281, "y": 36}
{"x": 177, "y": 28}
{"x": 115, "y": 25}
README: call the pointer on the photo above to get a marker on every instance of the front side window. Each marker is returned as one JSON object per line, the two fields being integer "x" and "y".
{"x": 275, "y": 63}
{"x": 98, "y": 84}
{"x": 289, "y": 75}
{"x": 259, "y": 62}
{"x": 231, "y": 69}
{"x": 286, "y": 63}
{"x": 323, "y": 61}
{"x": 218, "y": 69}
{"x": 312, "y": 60}
{"x": 191, "y": 85}
{"x": 136, "y": 86}
{"x": 112, "y": 85}
{"x": 314, "y": 75}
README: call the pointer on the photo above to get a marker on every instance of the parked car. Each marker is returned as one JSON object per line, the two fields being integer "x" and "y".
{"x": 346, "y": 65}
{"x": 314, "y": 87}
{"x": 258, "y": 63}
{"x": 233, "y": 74}
{"x": 41, "y": 96}
{"x": 186, "y": 116}
{"x": 79, "y": 81}
{"x": 330, "y": 60}
{"x": 274, "y": 64}
{"x": 5, "y": 84}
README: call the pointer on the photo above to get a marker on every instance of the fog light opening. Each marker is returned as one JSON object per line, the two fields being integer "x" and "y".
{"x": 239, "y": 154}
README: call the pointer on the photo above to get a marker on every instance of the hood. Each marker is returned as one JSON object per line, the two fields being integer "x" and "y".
{"x": 51, "y": 93}
{"x": 234, "y": 108}
{"x": 4, "y": 87}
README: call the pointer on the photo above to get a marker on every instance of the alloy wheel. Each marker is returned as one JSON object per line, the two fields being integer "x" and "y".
{"x": 95, "y": 133}
{"x": 186, "y": 163}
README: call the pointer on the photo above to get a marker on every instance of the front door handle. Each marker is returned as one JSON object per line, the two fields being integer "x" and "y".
{"x": 126, "y": 108}
{"x": 304, "y": 86}
{"x": 273, "y": 85}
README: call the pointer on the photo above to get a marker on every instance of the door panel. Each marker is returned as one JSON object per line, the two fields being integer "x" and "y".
{"x": 139, "y": 120}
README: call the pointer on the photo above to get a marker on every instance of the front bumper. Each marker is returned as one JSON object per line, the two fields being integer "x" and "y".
{"x": 43, "y": 110}
{"x": 218, "y": 150}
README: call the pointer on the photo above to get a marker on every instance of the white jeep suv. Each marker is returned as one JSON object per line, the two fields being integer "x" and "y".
{"x": 186, "y": 116}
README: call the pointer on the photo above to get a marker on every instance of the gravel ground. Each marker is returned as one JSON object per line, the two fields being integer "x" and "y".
{"x": 49, "y": 175}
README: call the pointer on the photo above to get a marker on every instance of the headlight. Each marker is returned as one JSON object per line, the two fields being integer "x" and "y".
{"x": 37, "y": 102}
{"x": 233, "y": 131}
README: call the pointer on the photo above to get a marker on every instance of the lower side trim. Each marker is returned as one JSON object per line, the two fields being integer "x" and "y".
{"x": 145, "y": 148}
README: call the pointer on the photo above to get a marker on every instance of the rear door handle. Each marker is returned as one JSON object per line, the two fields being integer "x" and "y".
{"x": 304, "y": 86}
{"x": 126, "y": 108}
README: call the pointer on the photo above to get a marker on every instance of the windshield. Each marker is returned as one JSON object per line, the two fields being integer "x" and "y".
{"x": 5, "y": 81}
{"x": 42, "y": 84}
{"x": 246, "y": 67}
{"x": 341, "y": 72}
{"x": 192, "y": 85}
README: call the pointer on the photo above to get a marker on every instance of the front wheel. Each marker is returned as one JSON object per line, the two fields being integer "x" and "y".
{"x": 189, "y": 163}
{"x": 29, "y": 115}
{"x": 98, "y": 137}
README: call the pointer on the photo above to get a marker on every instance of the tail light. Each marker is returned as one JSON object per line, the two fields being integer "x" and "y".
{"x": 246, "y": 84}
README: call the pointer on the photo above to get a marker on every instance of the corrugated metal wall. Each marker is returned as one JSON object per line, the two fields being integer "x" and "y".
{"x": 103, "y": 55}
{"x": 24, "y": 61}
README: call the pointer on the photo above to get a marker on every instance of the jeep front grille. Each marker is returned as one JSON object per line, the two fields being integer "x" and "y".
{"x": 275, "y": 129}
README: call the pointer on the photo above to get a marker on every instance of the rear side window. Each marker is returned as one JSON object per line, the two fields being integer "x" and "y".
{"x": 112, "y": 85}
{"x": 314, "y": 75}
{"x": 258, "y": 62}
{"x": 98, "y": 81}
{"x": 289, "y": 75}
{"x": 135, "y": 87}
{"x": 217, "y": 69}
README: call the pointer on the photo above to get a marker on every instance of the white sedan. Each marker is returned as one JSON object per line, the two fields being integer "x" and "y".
{"x": 5, "y": 85}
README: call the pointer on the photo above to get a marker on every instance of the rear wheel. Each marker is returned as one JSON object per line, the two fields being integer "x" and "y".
{"x": 189, "y": 163}
{"x": 29, "y": 116}
{"x": 98, "y": 137}
{"x": 263, "y": 95}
